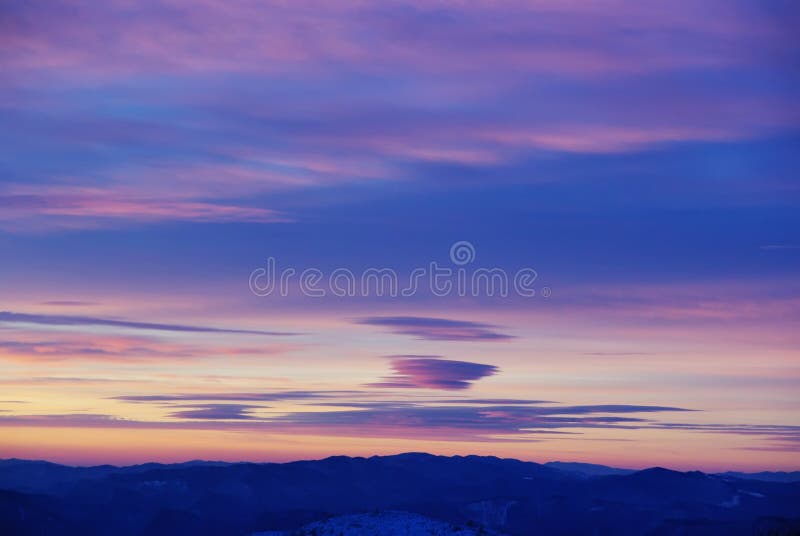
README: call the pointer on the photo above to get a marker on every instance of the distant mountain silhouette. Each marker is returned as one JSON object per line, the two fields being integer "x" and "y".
{"x": 588, "y": 469}
{"x": 483, "y": 494}
{"x": 767, "y": 476}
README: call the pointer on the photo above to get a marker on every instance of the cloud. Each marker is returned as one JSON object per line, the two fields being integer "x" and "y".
{"x": 66, "y": 380}
{"x": 89, "y": 420}
{"x": 785, "y": 432}
{"x": 383, "y": 419}
{"x": 774, "y": 437}
{"x": 7, "y": 317}
{"x": 435, "y": 373}
{"x": 422, "y": 37}
{"x": 495, "y": 401}
{"x": 436, "y": 329}
{"x": 216, "y": 412}
{"x": 618, "y": 354}
{"x": 426, "y": 419}
{"x": 88, "y": 208}
{"x": 475, "y": 421}
{"x": 262, "y": 397}
{"x": 120, "y": 349}
{"x": 57, "y": 349}
{"x": 68, "y": 303}
{"x": 163, "y": 114}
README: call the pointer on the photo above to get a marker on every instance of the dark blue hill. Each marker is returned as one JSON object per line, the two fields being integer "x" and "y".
{"x": 504, "y": 495}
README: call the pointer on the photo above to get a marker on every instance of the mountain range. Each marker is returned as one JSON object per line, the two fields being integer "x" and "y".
{"x": 411, "y": 493}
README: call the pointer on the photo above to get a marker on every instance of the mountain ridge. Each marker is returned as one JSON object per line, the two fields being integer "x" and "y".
{"x": 583, "y": 468}
{"x": 496, "y": 495}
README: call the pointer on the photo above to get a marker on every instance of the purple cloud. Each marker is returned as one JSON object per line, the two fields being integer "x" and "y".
{"x": 92, "y": 207}
{"x": 7, "y": 317}
{"x": 476, "y": 421}
{"x": 261, "y": 397}
{"x": 216, "y": 412}
{"x": 117, "y": 39}
{"x": 424, "y": 419}
{"x": 112, "y": 348}
{"x": 437, "y": 329}
{"x": 305, "y": 95}
{"x": 429, "y": 419}
{"x": 495, "y": 401}
{"x": 434, "y": 373}
{"x": 68, "y": 303}
{"x": 474, "y": 84}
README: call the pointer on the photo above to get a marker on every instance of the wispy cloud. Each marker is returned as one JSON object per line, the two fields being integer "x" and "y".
{"x": 32, "y": 347}
{"x": 420, "y": 417}
{"x": 495, "y": 401}
{"x": 261, "y": 397}
{"x": 778, "y": 437}
{"x": 437, "y": 329}
{"x": 186, "y": 38}
{"x": 68, "y": 303}
{"x": 7, "y": 317}
{"x": 67, "y": 380}
{"x": 216, "y": 412}
{"x": 479, "y": 84}
{"x": 517, "y": 420}
{"x": 383, "y": 419}
{"x": 88, "y": 208}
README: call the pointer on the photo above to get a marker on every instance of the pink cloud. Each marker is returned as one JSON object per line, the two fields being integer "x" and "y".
{"x": 120, "y": 37}
{"x": 49, "y": 207}
{"x": 41, "y": 347}
{"x": 434, "y": 373}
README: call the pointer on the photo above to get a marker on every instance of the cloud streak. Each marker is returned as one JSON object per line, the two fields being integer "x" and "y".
{"x": 436, "y": 329}
{"x": 186, "y": 37}
{"x": 261, "y": 397}
{"x": 448, "y": 420}
{"x": 7, "y": 317}
{"x": 34, "y": 348}
{"x": 99, "y": 207}
{"x": 223, "y": 412}
{"x": 383, "y": 419}
{"x": 202, "y": 122}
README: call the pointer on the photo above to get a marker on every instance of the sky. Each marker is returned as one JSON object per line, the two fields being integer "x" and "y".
{"x": 220, "y": 224}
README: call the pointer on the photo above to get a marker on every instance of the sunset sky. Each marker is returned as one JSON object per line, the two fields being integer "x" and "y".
{"x": 640, "y": 157}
